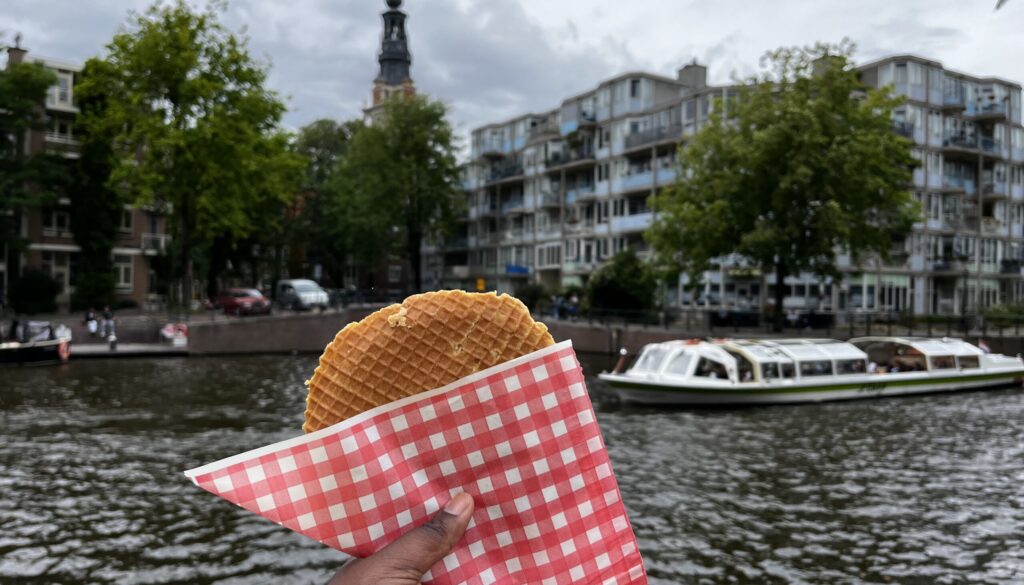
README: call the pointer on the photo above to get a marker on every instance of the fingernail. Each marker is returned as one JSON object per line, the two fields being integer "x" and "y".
{"x": 459, "y": 504}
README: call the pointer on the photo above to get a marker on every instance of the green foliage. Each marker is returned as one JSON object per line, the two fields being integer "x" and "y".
{"x": 1005, "y": 315}
{"x": 95, "y": 207}
{"x": 397, "y": 183}
{"x": 534, "y": 296}
{"x": 194, "y": 129}
{"x": 801, "y": 165}
{"x": 323, "y": 143}
{"x": 35, "y": 292}
{"x": 622, "y": 284}
{"x": 26, "y": 181}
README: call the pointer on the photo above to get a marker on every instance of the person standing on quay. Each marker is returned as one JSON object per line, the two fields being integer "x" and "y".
{"x": 108, "y": 321}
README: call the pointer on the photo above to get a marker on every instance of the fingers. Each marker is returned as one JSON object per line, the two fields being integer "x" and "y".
{"x": 423, "y": 547}
{"x": 408, "y": 558}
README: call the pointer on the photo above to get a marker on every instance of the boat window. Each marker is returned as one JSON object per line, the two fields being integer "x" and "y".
{"x": 651, "y": 360}
{"x": 943, "y": 362}
{"x": 711, "y": 369}
{"x": 851, "y": 367}
{"x": 769, "y": 370}
{"x": 968, "y": 362}
{"x": 815, "y": 368}
{"x": 788, "y": 370}
{"x": 680, "y": 364}
{"x": 744, "y": 366}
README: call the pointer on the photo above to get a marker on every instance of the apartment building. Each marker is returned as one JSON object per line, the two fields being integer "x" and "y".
{"x": 48, "y": 232}
{"x": 552, "y": 195}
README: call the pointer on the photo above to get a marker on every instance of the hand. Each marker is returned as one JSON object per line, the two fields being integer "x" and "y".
{"x": 404, "y": 561}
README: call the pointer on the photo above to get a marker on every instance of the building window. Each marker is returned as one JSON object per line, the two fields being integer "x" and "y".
{"x": 634, "y": 88}
{"x": 127, "y": 220}
{"x": 394, "y": 274}
{"x": 901, "y": 73}
{"x": 56, "y": 222}
{"x": 123, "y": 272}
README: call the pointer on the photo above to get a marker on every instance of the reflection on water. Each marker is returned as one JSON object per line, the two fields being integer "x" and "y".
{"x": 916, "y": 490}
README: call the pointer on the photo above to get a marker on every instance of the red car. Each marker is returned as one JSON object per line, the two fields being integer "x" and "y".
{"x": 243, "y": 301}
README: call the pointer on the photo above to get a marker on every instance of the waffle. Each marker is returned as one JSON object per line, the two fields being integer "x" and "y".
{"x": 428, "y": 341}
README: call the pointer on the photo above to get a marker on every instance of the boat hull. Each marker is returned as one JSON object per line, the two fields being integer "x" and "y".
{"x": 38, "y": 353}
{"x": 645, "y": 392}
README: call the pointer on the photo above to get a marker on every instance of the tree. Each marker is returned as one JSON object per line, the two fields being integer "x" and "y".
{"x": 196, "y": 130}
{"x": 625, "y": 283}
{"x": 26, "y": 180}
{"x": 96, "y": 207}
{"x": 801, "y": 165}
{"x": 398, "y": 182}
{"x": 323, "y": 143}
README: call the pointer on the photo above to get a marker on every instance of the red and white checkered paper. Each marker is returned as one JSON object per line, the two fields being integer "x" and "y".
{"x": 520, "y": 437}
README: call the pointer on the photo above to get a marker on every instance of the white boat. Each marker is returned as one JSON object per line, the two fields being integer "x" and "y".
{"x": 726, "y": 372}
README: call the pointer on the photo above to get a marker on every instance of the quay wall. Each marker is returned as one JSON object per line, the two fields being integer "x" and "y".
{"x": 311, "y": 332}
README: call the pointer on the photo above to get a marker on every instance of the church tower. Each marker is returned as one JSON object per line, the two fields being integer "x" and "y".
{"x": 395, "y": 60}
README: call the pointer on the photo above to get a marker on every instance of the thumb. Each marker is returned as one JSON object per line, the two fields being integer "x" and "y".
{"x": 408, "y": 558}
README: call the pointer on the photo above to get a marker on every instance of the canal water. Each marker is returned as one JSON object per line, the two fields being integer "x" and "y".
{"x": 913, "y": 490}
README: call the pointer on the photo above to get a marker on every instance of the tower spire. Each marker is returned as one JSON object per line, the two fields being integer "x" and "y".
{"x": 394, "y": 57}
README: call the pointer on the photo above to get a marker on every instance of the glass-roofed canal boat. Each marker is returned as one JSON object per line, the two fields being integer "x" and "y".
{"x": 741, "y": 371}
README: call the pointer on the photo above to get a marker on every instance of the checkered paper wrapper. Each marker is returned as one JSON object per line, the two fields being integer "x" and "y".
{"x": 520, "y": 437}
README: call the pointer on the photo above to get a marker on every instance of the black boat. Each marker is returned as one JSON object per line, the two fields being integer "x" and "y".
{"x": 35, "y": 343}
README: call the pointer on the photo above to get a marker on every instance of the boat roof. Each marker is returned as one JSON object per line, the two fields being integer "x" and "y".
{"x": 927, "y": 345}
{"x": 784, "y": 350}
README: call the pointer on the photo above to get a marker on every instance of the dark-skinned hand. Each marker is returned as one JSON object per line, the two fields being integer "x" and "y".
{"x": 404, "y": 561}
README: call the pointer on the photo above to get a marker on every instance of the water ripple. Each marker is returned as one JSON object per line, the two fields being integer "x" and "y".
{"x": 919, "y": 490}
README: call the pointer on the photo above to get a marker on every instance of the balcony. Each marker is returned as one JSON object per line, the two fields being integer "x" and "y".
{"x": 155, "y": 243}
{"x": 991, "y": 226}
{"x": 514, "y": 205}
{"x": 501, "y": 172}
{"x": 550, "y": 200}
{"x": 632, "y": 223}
{"x": 949, "y": 265}
{"x": 654, "y": 136}
{"x": 953, "y": 100}
{"x": 958, "y": 183}
{"x": 579, "y": 194}
{"x": 636, "y": 181}
{"x": 991, "y": 146}
{"x": 557, "y": 159}
{"x": 666, "y": 176}
{"x": 989, "y": 111}
{"x": 902, "y": 128}
{"x": 996, "y": 189}
{"x": 578, "y": 267}
{"x": 1008, "y": 266}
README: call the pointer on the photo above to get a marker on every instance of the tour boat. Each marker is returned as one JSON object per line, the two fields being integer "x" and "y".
{"x": 35, "y": 343}
{"x": 732, "y": 372}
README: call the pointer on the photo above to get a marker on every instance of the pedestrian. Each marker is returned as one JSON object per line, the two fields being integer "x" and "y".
{"x": 91, "y": 322}
{"x": 108, "y": 321}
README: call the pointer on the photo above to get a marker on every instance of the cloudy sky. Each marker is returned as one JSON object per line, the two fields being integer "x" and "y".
{"x": 492, "y": 59}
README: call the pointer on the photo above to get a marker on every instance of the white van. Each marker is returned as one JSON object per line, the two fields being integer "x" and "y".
{"x": 300, "y": 295}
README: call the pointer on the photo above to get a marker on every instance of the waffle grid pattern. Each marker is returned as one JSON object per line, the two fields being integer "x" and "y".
{"x": 441, "y": 337}
{"x": 523, "y": 440}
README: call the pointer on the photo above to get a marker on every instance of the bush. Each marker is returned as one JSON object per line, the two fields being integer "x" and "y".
{"x": 626, "y": 283}
{"x": 93, "y": 289}
{"x": 35, "y": 292}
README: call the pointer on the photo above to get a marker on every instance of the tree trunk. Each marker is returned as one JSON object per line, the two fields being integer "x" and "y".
{"x": 413, "y": 251}
{"x": 186, "y": 258}
{"x": 779, "y": 314}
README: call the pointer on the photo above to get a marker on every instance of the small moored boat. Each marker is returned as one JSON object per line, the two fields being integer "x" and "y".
{"x": 807, "y": 370}
{"x": 35, "y": 343}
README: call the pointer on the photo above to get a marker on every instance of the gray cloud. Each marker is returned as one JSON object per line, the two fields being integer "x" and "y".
{"x": 493, "y": 59}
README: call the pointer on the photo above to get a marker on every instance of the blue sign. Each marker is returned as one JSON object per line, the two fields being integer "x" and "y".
{"x": 516, "y": 269}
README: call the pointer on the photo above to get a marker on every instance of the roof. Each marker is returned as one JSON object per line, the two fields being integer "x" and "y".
{"x": 928, "y": 346}
{"x": 785, "y": 350}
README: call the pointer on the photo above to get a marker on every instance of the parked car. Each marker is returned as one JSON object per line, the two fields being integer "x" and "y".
{"x": 243, "y": 301}
{"x": 300, "y": 295}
